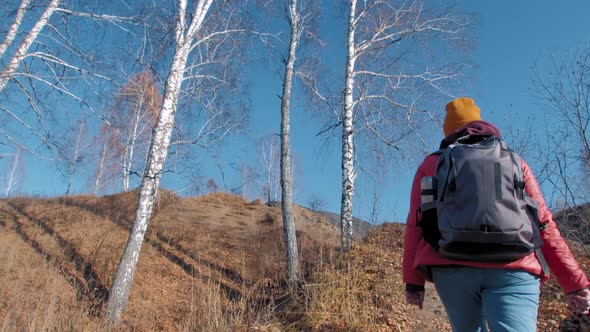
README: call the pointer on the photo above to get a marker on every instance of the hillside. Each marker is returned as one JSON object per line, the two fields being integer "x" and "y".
{"x": 360, "y": 228}
{"x": 217, "y": 253}
{"x": 211, "y": 263}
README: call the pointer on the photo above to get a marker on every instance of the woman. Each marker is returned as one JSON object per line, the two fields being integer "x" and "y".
{"x": 506, "y": 295}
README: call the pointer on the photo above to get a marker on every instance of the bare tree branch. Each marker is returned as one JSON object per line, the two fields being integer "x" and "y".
{"x": 12, "y": 65}
{"x": 13, "y": 29}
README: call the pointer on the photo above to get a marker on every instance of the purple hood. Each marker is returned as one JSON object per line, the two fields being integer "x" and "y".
{"x": 472, "y": 128}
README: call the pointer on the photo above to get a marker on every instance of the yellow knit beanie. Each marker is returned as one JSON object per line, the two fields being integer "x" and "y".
{"x": 460, "y": 112}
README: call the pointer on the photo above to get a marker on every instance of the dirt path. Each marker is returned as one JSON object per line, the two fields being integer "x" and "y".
{"x": 433, "y": 317}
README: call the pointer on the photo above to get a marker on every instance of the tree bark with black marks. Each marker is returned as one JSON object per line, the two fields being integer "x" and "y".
{"x": 291, "y": 251}
{"x": 194, "y": 33}
{"x": 385, "y": 82}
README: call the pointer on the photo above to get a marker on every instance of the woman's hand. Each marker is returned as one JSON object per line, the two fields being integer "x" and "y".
{"x": 579, "y": 302}
{"x": 415, "y": 298}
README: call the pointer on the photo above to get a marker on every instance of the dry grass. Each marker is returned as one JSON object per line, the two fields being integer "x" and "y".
{"x": 34, "y": 295}
{"x": 207, "y": 263}
{"x": 361, "y": 290}
{"x": 339, "y": 301}
{"x": 212, "y": 263}
{"x": 211, "y": 311}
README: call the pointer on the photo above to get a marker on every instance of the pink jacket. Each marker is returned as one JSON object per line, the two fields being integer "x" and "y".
{"x": 418, "y": 254}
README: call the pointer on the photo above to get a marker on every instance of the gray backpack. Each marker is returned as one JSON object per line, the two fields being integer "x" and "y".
{"x": 479, "y": 210}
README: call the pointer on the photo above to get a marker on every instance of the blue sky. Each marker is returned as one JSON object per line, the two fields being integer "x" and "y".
{"x": 510, "y": 37}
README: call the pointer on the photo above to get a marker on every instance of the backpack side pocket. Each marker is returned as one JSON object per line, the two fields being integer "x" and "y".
{"x": 429, "y": 224}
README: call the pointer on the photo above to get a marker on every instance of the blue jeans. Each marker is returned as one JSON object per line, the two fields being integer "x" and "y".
{"x": 507, "y": 299}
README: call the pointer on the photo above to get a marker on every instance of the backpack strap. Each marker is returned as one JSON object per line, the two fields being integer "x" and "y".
{"x": 446, "y": 154}
{"x": 542, "y": 261}
{"x": 513, "y": 156}
{"x": 519, "y": 181}
{"x": 537, "y": 229}
{"x": 438, "y": 152}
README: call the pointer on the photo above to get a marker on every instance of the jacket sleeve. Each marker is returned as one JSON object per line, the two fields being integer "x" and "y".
{"x": 558, "y": 255}
{"x": 413, "y": 235}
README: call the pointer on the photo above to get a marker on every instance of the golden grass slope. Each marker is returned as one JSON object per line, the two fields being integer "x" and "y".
{"x": 210, "y": 263}
{"x": 213, "y": 262}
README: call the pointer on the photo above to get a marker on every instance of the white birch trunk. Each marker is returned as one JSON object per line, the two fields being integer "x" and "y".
{"x": 286, "y": 176}
{"x": 348, "y": 171}
{"x": 101, "y": 167}
{"x": 75, "y": 156}
{"x": 274, "y": 180}
{"x": 128, "y": 155}
{"x": 124, "y": 169}
{"x": 130, "y": 149}
{"x": 12, "y": 65}
{"x": 271, "y": 197}
{"x": 11, "y": 178}
{"x": 269, "y": 150}
{"x": 244, "y": 182}
{"x": 11, "y": 34}
{"x": 119, "y": 293}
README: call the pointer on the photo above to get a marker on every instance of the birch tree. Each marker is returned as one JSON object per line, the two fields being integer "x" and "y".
{"x": 204, "y": 38}
{"x": 297, "y": 23}
{"x": 388, "y": 76}
{"x": 48, "y": 69}
{"x": 42, "y": 68}
{"x": 13, "y": 173}
{"x": 269, "y": 157}
{"x": 72, "y": 150}
{"x": 299, "y": 17}
{"x": 22, "y": 51}
{"x": 101, "y": 166}
{"x": 12, "y": 63}
{"x": 130, "y": 124}
{"x": 105, "y": 158}
{"x": 13, "y": 29}
{"x": 248, "y": 179}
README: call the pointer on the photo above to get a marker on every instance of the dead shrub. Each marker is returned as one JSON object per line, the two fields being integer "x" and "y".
{"x": 269, "y": 219}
